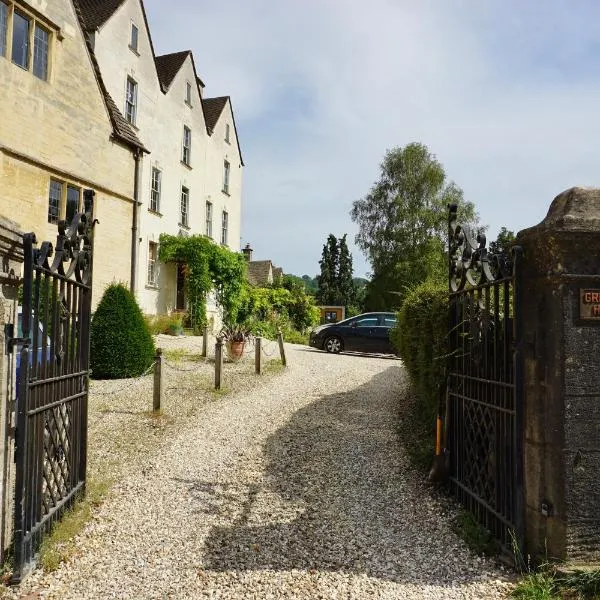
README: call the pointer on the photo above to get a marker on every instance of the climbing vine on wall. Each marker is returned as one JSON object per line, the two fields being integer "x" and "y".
{"x": 207, "y": 267}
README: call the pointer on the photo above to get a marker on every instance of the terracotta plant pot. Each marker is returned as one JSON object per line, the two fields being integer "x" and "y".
{"x": 235, "y": 349}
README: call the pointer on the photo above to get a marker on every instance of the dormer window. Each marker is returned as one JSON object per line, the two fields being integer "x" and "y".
{"x": 188, "y": 93}
{"x": 227, "y": 133}
{"x": 133, "y": 41}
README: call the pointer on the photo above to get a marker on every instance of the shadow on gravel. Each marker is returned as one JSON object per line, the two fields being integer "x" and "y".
{"x": 337, "y": 495}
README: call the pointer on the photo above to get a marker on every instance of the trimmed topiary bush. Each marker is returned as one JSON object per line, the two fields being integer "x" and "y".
{"x": 421, "y": 337}
{"x": 121, "y": 344}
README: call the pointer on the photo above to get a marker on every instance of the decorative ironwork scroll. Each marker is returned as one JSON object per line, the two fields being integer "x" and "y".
{"x": 52, "y": 380}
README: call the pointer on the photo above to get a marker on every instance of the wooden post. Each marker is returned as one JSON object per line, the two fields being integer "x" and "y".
{"x": 281, "y": 348}
{"x": 257, "y": 353}
{"x": 218, "y": 363}
{"x": 158, "y": 381}
{"x": 205, "y": 342}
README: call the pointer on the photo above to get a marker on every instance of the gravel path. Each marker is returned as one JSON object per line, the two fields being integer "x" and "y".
{"x": 296, "y": 487}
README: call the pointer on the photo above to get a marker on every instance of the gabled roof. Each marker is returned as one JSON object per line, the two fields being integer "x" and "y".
{"x": 96, "y": 12}
{"x": 277, "y": 273}
{"x": 122, "y": 129}
{"x": 213, "y": 109}
{"x": 168, "y": 65}
{"x": 259, "y": 271}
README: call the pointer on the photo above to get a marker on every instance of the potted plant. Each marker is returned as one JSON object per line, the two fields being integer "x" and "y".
{"x": 235, "y": 336}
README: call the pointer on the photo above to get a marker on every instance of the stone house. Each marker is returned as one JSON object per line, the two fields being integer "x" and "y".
{"x": 260, "y": 273}
{"x": 190, "y": 182}
{"x": 61, "y": 132}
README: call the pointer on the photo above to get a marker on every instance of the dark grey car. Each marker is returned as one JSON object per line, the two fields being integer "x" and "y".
{"x": 369, "y": 332}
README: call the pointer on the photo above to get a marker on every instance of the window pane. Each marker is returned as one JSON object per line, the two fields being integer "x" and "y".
{"x": 368, "y": 322}
{"x": 54, "y": 201}
{"x": 155, "y": 192}
{"x": 187, "y": 145}
{"x": 209, "y": 219}
{"x": 226, "y": 177}
{"x": 40, "y": 53}
{"x": 72, "y": 203}
{"x": 20, "y": 43}
{"x": 3, "y": 27}
{"x": 185, "y": 197}
{"x": 227, "y": 132}
{"x": 188, "y": 93}
{"x": 134, "y": 37}
{"x": 130, "y": 100}
{"x": 152, "y": 256}
{"x": 224, "y": 224}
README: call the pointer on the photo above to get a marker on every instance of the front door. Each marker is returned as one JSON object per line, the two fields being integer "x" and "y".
{"x": 180, "y": 300}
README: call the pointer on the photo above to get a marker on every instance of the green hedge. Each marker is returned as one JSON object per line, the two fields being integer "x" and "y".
{"x": 421, "y": 339}
{"x": 121, "y": 344}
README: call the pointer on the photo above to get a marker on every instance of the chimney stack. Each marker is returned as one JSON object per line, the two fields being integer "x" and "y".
{"x": 247, "y": 251}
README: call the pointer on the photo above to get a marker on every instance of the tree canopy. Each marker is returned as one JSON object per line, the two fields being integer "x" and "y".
{"x": 402, "y": 223}
{"x": 336, "y": 287}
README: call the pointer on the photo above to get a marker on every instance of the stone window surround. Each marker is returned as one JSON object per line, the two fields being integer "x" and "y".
{"x": 37, "y": 21}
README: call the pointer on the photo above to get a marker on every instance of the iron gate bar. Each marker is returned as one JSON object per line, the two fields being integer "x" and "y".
{"x": 485, "y": 386}
{"x": 51, "y": 436}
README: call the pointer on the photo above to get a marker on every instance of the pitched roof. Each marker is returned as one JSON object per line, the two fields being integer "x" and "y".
{"x": 96, "y": 12}
{"x": 168, "y": 65}
{"x": 258, "y": 272}
{"x": 122, "y": 129}
{"x": 277, "y": 272}
{"x": 213, "y": 107}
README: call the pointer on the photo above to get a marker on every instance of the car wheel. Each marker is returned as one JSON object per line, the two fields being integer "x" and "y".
{"x": 333, "y": 344}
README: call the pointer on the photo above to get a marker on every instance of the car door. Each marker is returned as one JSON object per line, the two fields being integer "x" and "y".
{"x": 381, "y": 335}
{"x": 363, "y": 333}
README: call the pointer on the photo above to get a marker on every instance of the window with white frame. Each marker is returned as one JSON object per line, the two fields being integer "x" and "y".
{"x": 131, "y": 100}
{"x": 54, "y": 198}
{"x": 133, "y": 39}
{"x": 187, "y": 146}
{"x": 155, "y": 190}
{"x": 184, "y": 211}
{"x": 209, "y": 218}
{"x": 25, "y": 39}
{"x": 226, "y": 176}
{"x": 41, "y": 40}
{"x": 3, "y": 27}
{"x": 224, "y": 227}
{"x": 152, "y": 263}
{"x": 20, "y": 40}
{"x": 188, "y": 93}
{"x": 227, "y": 132}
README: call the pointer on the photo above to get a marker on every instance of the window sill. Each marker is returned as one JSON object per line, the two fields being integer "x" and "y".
{"x": 226, "y": 193}
{"x": 133, "y": 50}
{"x": 152, "y": 286}
{"x": 155, "y": 212}
{"x": 186, "y": 227}
{"x": 186, "y": 165}
{"x": 188, "y": 104}
{"x": 227, "y": 141}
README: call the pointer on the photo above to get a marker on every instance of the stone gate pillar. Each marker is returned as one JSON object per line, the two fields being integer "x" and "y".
{"x": 11, "y": 259}
{"x": 560, "y": 279}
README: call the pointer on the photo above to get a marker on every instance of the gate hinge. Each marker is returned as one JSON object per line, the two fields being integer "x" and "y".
{"x": 10, "y": 339}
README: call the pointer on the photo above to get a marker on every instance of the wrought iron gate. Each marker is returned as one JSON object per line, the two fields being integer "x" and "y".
{"x": 52, "y": 381}
{"x": 485, "y": 432}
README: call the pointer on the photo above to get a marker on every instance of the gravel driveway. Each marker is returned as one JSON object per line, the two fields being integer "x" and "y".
{"x": 296, "y": 487}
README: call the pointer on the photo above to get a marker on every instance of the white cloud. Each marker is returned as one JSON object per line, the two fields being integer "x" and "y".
{"x": 504, "y": 95}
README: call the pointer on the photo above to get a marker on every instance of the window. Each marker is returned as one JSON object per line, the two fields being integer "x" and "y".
{"x": 155, "y": 190}
{"x": 224, "y": 225}
{"x": 40, "y": 52}
{"x": 367, "y": 322}
{"x": 131, "y": 100}
{"x": 209, "y": 219}
{"x": 187, "y": 145}
{"x": 20, "y": 41}
{"x": 152, "y": 258}
{"x": 54, "y": 197}
{"x": 73, "y": 195}
{"x": 389, "y": 321}
{"x": 3, "y": 27}
{"x": 227, "y": 133}
{"x": 188, "y": 93}
{"x": 185, "y": 206}
{"x": 133, "y": 41}
{"x": 226, "y": 177}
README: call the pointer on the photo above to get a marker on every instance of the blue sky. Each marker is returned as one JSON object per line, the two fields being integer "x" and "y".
{"x": 505, "y": 93}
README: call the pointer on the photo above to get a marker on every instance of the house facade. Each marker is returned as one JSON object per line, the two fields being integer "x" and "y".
{"x": 61, "y": 133}
{"x": 190, "y": 183}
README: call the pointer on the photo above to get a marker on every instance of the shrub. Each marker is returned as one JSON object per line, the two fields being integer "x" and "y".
{"x": 171, "y": 324}
{"x": 421, "y": 339}
{"x": 121, "y": 344}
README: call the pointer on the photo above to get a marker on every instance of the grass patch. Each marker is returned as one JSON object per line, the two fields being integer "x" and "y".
{"x": 537, "y": 586}
{"x": 272, "y": 367}
{"x": 175, "y": 354}
{"x": 477, "y": 537}
{"x": 59, "y": 545}
{"x": 584, "y": 583}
